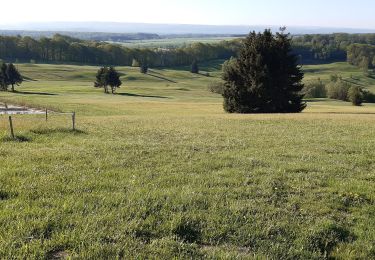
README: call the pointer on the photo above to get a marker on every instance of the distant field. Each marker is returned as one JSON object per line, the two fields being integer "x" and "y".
{"x": 172, "y": 42}
{"x": 159, "y": 170}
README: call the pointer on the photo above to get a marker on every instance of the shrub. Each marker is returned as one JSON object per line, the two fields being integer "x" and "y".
{"x": 143, "y": 69}
{"x": 315, "y": 89}
{"x": 338, "y": 90}
{"x": 355, "y": 95}
{"x": 335, "y": 78}
{"x": 194, "y": 67}
{"x": 368, "y": 96}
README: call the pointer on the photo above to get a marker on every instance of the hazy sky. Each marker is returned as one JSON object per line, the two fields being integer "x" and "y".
{"x": 330, "y": 13}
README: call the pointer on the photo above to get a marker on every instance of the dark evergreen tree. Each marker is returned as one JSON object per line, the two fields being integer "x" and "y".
{"x": 265, "y": 78}
{"x": 143, "y": 68}
{"x": 107, "y": 76}
{"x": 194, "y": 67}
{"x": 101, "y": 81}
{"x": 113, "y": 79}
{"x": 13, "y": 75}
{"x": 4, "y": 81}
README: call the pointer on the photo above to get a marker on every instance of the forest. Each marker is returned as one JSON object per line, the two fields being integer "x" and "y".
{"x": 357, "y": 49}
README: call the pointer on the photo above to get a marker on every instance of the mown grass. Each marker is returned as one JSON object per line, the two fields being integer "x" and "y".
{"x": 159, "y": 172}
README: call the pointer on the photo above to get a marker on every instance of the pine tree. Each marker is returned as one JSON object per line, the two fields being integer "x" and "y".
{"x": 143, "y": 68}
{"x": 265, "y": 78}
{"x": 113, "y": 79}
{"x": 107, "y": 76}
{"x": 194, "y": 67}
{"x": 4, "y": 81}
{"x": 14, "y": 77}
{"x": 101, "y": 81}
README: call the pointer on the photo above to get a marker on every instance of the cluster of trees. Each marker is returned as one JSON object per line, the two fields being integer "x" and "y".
{"x": 340, "y": 89}
{"x": 265, "y": 78}
{"x": 328, "y": 47}
{"x": 107, "y": 77}
{"x": 9, "y": 76}
{"x": 362, "y": 55}
{"x": 62, "y": 49}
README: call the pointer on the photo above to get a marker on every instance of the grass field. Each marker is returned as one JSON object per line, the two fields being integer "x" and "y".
{"x": 160, "y": 171}
{"x": 172, "y": 42}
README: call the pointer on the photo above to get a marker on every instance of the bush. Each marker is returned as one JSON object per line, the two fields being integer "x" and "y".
{"x": 368, "y": 96}
{"x": 194, "y": 67}
{"x": 335, "y": 78}
{"x": 216, "y": 87}
{"x": 355, "y": 95}
{"x": 143, "y": 69}
{"x": 315, "y": 89}
{"x": 338, "y": 90}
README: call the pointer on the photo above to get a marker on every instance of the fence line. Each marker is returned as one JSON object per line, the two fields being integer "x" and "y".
{"x": 28, "y": 112}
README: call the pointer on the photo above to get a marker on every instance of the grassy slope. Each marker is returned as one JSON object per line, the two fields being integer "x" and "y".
{"x": 161, "y": 170}
{"x": 173, "y": 42}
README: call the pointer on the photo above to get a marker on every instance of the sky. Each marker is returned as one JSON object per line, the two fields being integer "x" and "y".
{"x": 323, "y": 13}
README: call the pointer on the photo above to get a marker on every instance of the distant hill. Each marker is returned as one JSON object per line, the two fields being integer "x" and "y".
{"x": 95, "y": 36}
{"x": 162, "y": 29}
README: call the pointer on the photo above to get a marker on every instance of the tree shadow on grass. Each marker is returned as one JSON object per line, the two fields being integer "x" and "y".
{"x": 28, "y": 79}
{"x": 137, "y": 95}
{"x": 163, "y": 78}
{"x": 58, "y": 130}
{"x": 17, "y": 138}
{"x": 35, "y": 93}
{"x": 341, "y": 113}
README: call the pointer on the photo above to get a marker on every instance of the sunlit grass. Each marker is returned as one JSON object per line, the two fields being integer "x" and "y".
{"x": 167, "y": 173}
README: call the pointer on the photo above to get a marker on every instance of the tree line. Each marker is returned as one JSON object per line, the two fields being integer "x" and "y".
{"x": 65, "y": 49}
{"x": 328, "y": 47}
{"x": 362, "y": 55}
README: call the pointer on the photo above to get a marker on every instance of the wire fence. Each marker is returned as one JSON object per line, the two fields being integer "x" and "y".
{"x": 21, "y": 116}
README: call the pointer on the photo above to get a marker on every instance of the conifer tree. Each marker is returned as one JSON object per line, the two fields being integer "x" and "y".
{"x": 101, "y": 81}
{"x": 143, "y": 68}
{"x": 194, "y": 67}
{"x": 4, "y": 81}
{"x": 107, "y": 76}
{"x": 13, "y": 76}
{"x": 113, "y": 79}
{"x": 265, "y": 78}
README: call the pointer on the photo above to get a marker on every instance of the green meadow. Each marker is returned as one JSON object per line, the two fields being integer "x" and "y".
{"x": 172, "y": 42}
{"x": 159, "y": 170}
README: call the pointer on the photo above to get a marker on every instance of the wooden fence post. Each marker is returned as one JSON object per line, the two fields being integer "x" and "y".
{"x": 74, "y": 120}
{"x": 11, "y": 127}
{"x": 46, "y": 114}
